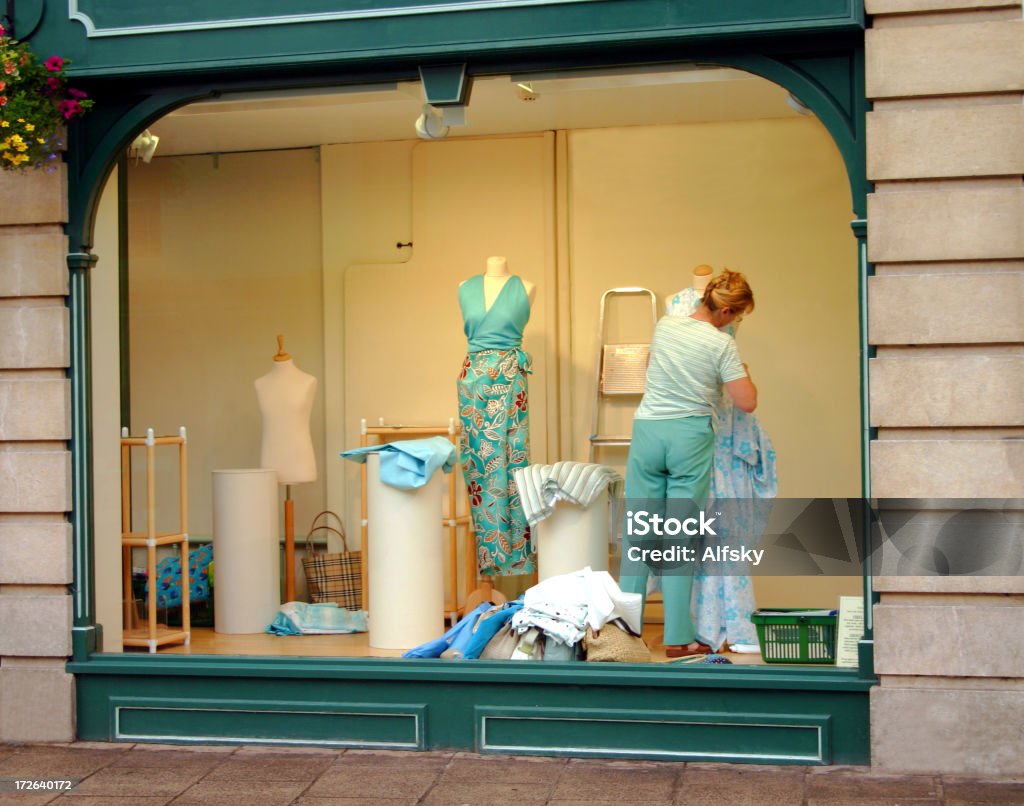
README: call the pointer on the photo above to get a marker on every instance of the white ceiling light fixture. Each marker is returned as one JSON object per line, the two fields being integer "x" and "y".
{"x": 144, "y": 146}
{"x": 797, "y": 105}
{"x": 430, "y": 125}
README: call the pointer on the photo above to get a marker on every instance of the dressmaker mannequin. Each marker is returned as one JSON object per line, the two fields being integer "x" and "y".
{"x": 285, "y": 397}
{"x": 502, "y": 534}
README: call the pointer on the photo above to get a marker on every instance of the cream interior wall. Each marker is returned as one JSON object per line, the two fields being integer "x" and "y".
{"x": 366, "y": 209}
{"x": 577, "y": 214}
{"x": 225, "y": 254}
{"x": 402, "y": 329}
{"x": 770, "y": 199}
{"x": 106, "y": 418}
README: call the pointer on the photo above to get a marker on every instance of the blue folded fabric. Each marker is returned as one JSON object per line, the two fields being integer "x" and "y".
{"x": 486, "y": 629}
{"x": 433, "y": 649}
{"x": 408, "y": 464}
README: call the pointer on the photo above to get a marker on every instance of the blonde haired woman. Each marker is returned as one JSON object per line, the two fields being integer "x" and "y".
{"x": 670, "y": 457}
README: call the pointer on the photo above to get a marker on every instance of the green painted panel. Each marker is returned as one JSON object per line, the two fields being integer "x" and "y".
{"x": 673, "y": 735}
{"x": 138, "y": 719}
{"x": 125, "y": 17}
{"x": 742, "y": 719}
{"x": 132, "y": 39}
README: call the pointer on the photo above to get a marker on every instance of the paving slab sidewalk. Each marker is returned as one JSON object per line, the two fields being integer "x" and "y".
{"x": 161, "y": 775}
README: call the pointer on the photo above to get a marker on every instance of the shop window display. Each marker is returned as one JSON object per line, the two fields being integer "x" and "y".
{"x": 582, "y": 207}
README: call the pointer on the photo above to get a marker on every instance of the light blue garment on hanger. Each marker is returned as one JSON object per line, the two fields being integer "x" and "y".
{"x": 408, "y": 464}
{"x": 744, "y": 472}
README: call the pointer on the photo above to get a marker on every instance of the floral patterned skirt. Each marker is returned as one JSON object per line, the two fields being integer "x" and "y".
{"x": 495, "y": 441}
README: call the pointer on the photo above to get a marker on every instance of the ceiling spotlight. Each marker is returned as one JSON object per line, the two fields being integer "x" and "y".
{"x": 430, "y": 124}
{"x": 144, "y": 146}
{"x": 525, "y": 91}
{"x": 797, "y": 105}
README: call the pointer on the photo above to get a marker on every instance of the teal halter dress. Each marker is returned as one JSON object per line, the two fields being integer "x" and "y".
{"x": 494, "y": 410}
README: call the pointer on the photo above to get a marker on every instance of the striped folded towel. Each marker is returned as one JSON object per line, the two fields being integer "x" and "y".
{"x": 580, "y": 483}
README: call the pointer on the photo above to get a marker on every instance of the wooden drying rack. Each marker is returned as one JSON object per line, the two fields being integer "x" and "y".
{"x": 450, "y": 519}
{"x": 153, "y": 635}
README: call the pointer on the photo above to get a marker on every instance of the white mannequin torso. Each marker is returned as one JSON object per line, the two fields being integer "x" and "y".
{"x": 285, "y": 397}
{"x": 702, "y": 275}
{"x": 496, "y": 274}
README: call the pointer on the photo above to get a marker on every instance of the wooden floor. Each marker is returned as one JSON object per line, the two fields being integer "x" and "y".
{"x": 207, "y": 642}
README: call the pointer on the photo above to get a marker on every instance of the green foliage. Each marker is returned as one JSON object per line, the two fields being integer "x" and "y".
{"x": 35, "y": 106}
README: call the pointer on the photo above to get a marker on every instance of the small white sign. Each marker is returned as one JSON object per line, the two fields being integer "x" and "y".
{"x": 850, "y": 630}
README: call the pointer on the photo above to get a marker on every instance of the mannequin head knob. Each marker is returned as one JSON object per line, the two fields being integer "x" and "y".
{"x": 281, "y": 355}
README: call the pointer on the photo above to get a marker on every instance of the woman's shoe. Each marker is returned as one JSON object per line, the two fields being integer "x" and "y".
{"x": 685, "y": 650}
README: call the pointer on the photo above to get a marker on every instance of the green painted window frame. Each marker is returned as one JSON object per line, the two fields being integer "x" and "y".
{"x": 823, "y": 68}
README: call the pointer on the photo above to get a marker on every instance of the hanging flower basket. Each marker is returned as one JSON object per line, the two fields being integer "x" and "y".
{"x": 35, "y": 106}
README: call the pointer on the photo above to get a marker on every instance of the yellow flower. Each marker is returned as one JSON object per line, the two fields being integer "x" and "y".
{"x": 40, "y": 139}
{"x": 4, "y": 124}
{"x": 29, "y": 127}
{"x": 17, "y": 159}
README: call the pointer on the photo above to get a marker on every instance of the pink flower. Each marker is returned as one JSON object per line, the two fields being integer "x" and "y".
{"x": 3, "y": 100}
{"x": 69, "y": 109}
{"x": 3, "y": 86}
{"x": 77, "y": 94}
{"x": 3, "y": 31}
{"x": 54, "y": 64}
{"x": 8, "y": 67}
{"x": 53, "y": 83}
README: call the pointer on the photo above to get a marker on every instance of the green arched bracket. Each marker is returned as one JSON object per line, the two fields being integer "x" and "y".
{"x": 832, "y": 86}
{"x": 833, "y": 89}
{"x": 96, "y": 142}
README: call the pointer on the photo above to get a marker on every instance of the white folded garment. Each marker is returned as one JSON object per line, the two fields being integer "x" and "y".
{"x": 596, "y": 590}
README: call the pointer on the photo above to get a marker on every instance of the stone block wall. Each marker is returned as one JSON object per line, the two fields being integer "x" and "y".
{"x": 36, "y": 694}
{"x": 946, "y": 234}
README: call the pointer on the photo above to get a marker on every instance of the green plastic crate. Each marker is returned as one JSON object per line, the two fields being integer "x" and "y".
{"x": 787, "y": 635}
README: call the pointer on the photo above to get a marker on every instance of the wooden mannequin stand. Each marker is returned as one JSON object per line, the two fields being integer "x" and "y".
{"x": 285, "y": 396}
{"x": 289, "y": 545}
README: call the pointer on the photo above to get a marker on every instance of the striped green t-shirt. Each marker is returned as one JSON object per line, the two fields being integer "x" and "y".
{"x": 690, "y": 360}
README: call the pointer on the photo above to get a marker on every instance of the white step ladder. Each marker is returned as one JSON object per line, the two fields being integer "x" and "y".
{"x": 619, "y": 369}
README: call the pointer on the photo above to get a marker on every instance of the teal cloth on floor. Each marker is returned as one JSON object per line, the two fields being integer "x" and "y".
{"x": 300, "y": 618}
{"x": 408, "y": 464}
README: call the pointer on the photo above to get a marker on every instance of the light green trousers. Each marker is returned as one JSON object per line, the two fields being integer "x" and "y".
{"x": 668, "y": 472}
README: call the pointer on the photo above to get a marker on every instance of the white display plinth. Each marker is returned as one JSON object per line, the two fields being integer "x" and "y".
{"x": 573, "y": 537}
{"x": 405, "y": 561}
{"x": 246, "y": 550}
